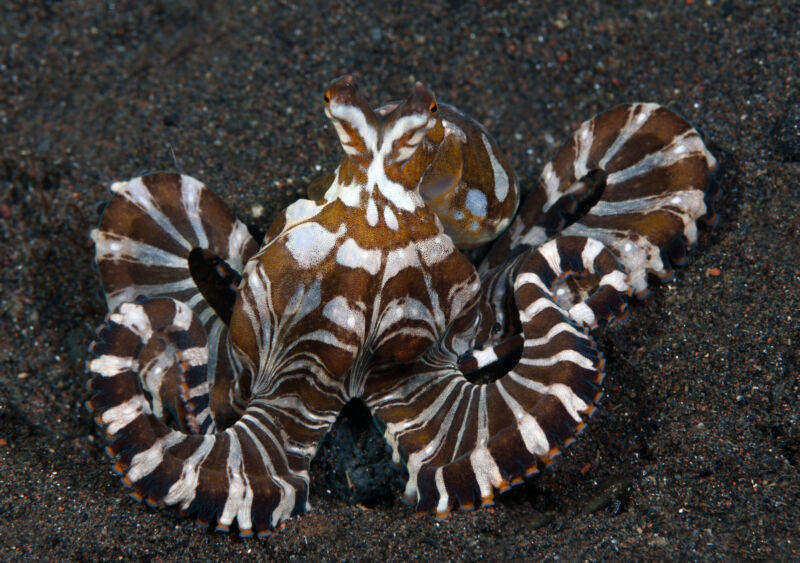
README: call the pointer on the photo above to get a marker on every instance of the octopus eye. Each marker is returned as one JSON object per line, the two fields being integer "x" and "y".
{"x": 434, "y": 108}
{"x": 327, "y": 97}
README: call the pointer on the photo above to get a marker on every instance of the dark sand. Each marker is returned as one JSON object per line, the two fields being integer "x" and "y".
{"x": 694, "y": 453}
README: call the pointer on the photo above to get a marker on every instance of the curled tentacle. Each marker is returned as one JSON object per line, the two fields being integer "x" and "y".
{"x": 167, "y": 235}
{"x": 249, "y": 472}
{"x": 462, "y": 440}
{"x": 638, "y": 176}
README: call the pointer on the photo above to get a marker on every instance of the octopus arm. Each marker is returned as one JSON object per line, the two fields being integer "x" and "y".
{"x": 636, "y": 178}
{"x": 168, "y": 235}
{"x": 459, "y": 440}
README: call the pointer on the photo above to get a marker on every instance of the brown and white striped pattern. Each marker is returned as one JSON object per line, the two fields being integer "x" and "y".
{"x": 218, "y": 408}
{"x": 466, "y": 439}
{"x": 143, "y": 246}
{"x": 654, "y": 172}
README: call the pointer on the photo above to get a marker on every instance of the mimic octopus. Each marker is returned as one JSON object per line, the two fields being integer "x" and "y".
{"x": 223, "y": 363}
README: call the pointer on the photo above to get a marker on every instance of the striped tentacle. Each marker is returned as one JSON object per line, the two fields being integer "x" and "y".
{"x": 161, "y": 236}
{"x": 171, "y": 368}
{"x": 461, "y": 440}
{"x": 651, "y": 172}
{"x": 248, "y": 472}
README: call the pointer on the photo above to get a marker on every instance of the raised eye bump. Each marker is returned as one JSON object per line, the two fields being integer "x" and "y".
{"x": 327, "y": 96}
{"x": 434, "y": 108}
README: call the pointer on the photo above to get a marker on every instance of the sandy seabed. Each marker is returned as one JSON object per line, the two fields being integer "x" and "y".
{"x": 694, "y": 452}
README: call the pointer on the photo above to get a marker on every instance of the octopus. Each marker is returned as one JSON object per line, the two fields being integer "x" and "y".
{"x": 223, "y": 363}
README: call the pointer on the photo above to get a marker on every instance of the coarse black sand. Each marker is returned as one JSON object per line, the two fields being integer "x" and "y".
{"x": 695, "y": 452}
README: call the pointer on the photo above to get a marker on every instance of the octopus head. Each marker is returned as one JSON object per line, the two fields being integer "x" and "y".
{"x": 376, "y": 144}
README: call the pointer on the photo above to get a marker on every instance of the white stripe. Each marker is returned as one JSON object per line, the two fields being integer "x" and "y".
{"x": 196, "y": 356}
{"x": 435, "y": 249}
{"x": 183, "y": 316}
{"x": 564, "y": 356}
{"x": 582, "y": 314}
{"x": 137, "y": 193}
{"x": 133, "y": 317}
{"x": 551, "y": 183}
{"x": 487, "y": 473}
{"x": 390, "y": 218}
{"x": 550, "y": 253}
{"x": 617, "y": 280}
{"x": 663, "y": 158}
{"x": 240, "y": 493}
{"x": 184, "y": 489}
{"x": 529, "y": 277}
{"x": 444, "y": 499}
{"x": 638, "y": 114}
{"x": 532, "y": 434}
{"x": 310, "y": 243}
{"x": 572, "y": 403}
{"x": 591, "y": 251}
{"x": 584, "y": 137}
{"x": 168, "y": 289}
{"x": 284, "y": 508}
{"x": 499, "y": 173}
{"x": 537, "y": 307}
{"x": 109, "y": 366}
{"x": 190, "y": 198}
{"x": 372, "y": 213}
{"x": 351, "y": 255}
{"x": 485, "y": 357}
{"x": 237, "y": 240}
{"x": 121, "y": 415}
{"x": 555, "y": 330}
{"x": 144, "y": 463}
{"x": 113, "y": 247}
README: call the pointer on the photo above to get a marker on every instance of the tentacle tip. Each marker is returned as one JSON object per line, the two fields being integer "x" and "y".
{"x": 443, "y": 514}
{"x": 202, "y": 524}
{"x": 569, "y": 441}
{"x": 504, "y": 486}
{"x": 678, "y": 261}
{"x": 531, "y": 471}
{"x": 128, "y": 483}
{"x": 224, "y": 528}
{"x": 119, "y": 468}
{"x": 88, "y": 404}
{"x": 517, "y": 481}
{"x": 581, "y": 425}
{"x": 263, "y": 534}
{"x": 151, "y": 502}
{"x": 468, "y": 507}
{"x": 554, "y": 452}
{"x": 667, "y": 276}
{"x": 409, "y": 500}
{"x": 137, "y": 496}
{"x": 487, "y": 501}
{"x": 248, "y": 533}
{"x": 110, "y": 451}
{"x": 709, "y": 220}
